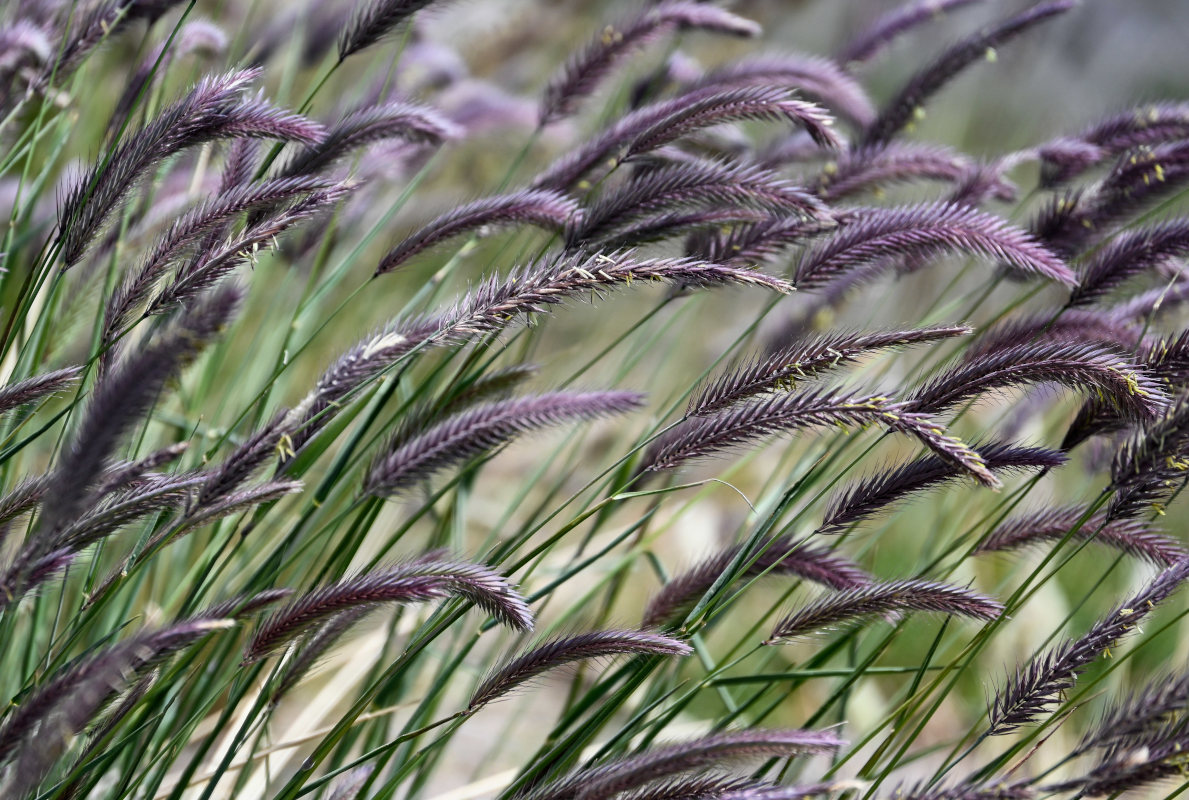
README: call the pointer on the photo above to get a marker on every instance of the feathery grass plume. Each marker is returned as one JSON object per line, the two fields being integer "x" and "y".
{"x": 495, "y": 305}
{"x": 1166, "y": 359}
{"x": 243, "y": 606}
{"x": 694, "y": 225}
{"x": 1036, "y": 688}
{"x": 118, "y": 403}
{"x": 546, "y": 209}
{"x": 194, "y": 36}
{"x": 781, "y": 368}
{"x": 858, "y": 605}
{"x": 585, "y": 71}
{"x": 209, "y": 267}
{"x": 781, "y": 556}
{"x": 1066, "y": 158}
{"x": 487, "y": 387}
{"x": 1150, "y": 466}
{"x": 742, "y": 423}
{"x": 126, "y": 474}
{"x": 373, "y": 21}
{"x": 1128, "y": 254}
{"x": 877, "y": 36}
{"x": 731, "y": 105}
{"x": 408, "y": 582}
{"x": 1158, "y": 756}
{"x": 458, "y": 439}
{"x": 235, "y": 502}
{"x": 697, "y": 787}
{"x": 215, "y": 109}
{"x": 1087, "y": 367}
{"x": 990, "y": 790}
{"x": 411, "y": 122}
{"x": 691, "y": 184}
{"x": 1134, "y": 537}
{"x": 18, "y": 394}
{"x": 606, "y": 147}
{"x": 821, "y": 78}
{"x": 125, "y": 507}
{"x": 566, "y": 650}
{"x": 1138, "y": 181}
{"x": 1150, "y": 304}
{"x": 1074, "y": 326}
{"x": 874, "y": 234}
{"x": 82, "y": 29}
{"x": 312, "y": 646}
{"x": 1125, "y": 723}
{"x": 909, "y": 103}
{"x": 700, "y": 437}
{"x": 659, "y": 763}
{"x": 63, "y": 703}
{"x": 869, "y": 169}
{"x": 757, "y": 242}
{"x": 877, "y": 492}
{"x": 191, "y": 231}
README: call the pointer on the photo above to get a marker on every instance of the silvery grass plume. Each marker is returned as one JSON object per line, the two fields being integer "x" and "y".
{"x": 781, "y": 368}
{"x": 1088, "y": 367}
{"x": 495, "y": 305}
{"x": 783, "y": 555}
{"x": 409, "y": 582}
{"x": 697, "y": 184}
{"x": 1150, "y": 466}
{"x": 1134, "y": 537}
{"x": 1038, "y": 687}
{"x": 565, "y": 650}
{"x": 1066, "y": 158}
{"x": 876, "y": 493}
{"x": 35, "y": 731}
{"x": 215, "y": 109}
{"x": 666, "y": 121}
{"x": 1127, "y": 255}
{"x": 589, "y": 68}
{"x": 118, "y": 403}
{"x": 874, "y": 234}
{"x": 909, "y": 102}
{"x": 548, "y": 210}
{"x": 878, "y": 600}
{"x": 701, "y": 437}
{"x": 821, "y": 78}
{"x": 881, "y": 33}
{"x": 870, "y": 169}
{"x": 458, "y": 439}
{"x": 660, "y": 763}
{"x": 1126, "y": 723}
{"x": 410, "y": 122}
